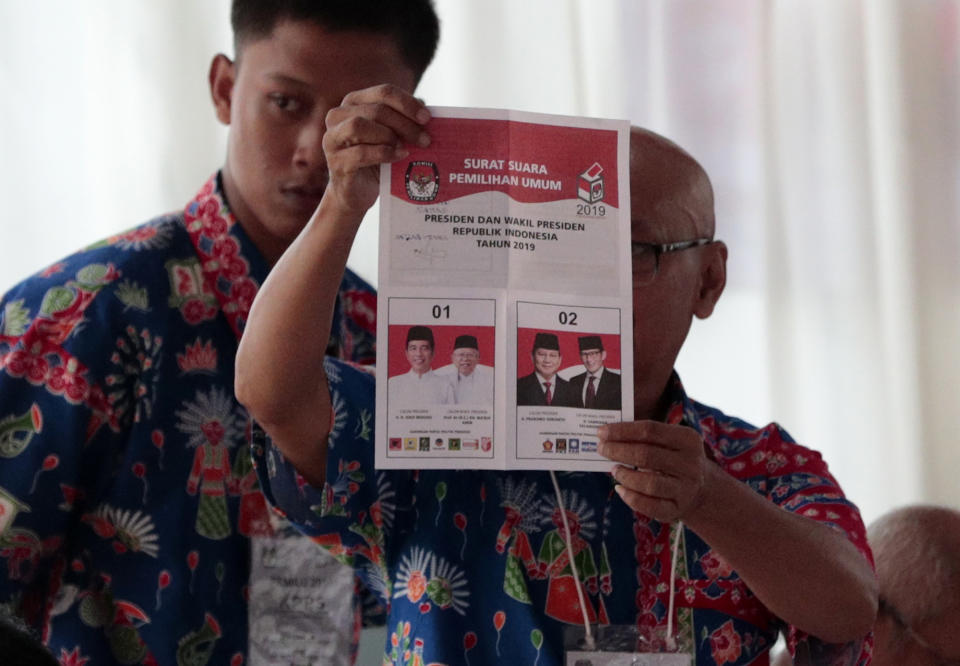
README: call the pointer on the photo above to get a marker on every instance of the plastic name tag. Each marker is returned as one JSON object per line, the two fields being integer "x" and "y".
{"x": 595, "y": 658}
{"x": 296, "y": 612}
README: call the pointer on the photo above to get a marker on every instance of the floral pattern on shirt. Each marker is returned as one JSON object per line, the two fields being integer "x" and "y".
{"x": 475, "y": 567}
{"x": 127, "y": 497}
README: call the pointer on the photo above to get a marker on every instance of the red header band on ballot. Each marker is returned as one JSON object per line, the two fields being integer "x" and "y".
{"x": 467, "y": 156}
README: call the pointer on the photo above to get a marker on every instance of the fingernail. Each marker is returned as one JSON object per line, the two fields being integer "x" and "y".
{"x": 423, "y": 116}
{"x": 602, "y": 432}
{"x": 400, "y": 152}
{"x": 613, "y": 470}
{"x": 620, "y": 490}
{"x": 423, "y": 140}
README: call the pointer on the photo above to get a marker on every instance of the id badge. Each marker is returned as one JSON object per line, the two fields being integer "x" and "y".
{"x": 297, "y": 615}
{"x": 617, "y": 645}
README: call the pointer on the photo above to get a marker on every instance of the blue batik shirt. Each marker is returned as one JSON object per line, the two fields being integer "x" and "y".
{"x": 127, "y": 495}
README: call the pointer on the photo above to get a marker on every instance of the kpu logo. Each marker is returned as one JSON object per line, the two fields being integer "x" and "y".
{"x": 423, "y": 181}
{"x": 590, "y": 184}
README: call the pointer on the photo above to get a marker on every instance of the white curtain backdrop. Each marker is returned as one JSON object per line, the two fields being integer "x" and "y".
{"x": 831, "y": 130}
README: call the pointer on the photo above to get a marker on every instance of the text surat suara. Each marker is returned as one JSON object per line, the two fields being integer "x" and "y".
{"x": 511, "y": 168}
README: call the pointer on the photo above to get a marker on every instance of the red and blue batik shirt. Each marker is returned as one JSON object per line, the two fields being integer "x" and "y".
{"x": 474, "y": 563}
{"x": 127, "y": 497}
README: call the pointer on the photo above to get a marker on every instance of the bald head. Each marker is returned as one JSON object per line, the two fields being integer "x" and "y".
{"x": 671, "y": 201}
{"x": 916, "y": 549}
{"x": 917, "y": 553}
{"x": 670, "y": 193}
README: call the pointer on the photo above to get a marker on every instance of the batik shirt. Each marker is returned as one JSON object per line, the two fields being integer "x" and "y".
{"x": 127, "y": 497}
{"x": 475, "y": 564}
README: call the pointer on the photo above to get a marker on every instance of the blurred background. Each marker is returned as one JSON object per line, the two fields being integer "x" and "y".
{"x": 830, "y": 128}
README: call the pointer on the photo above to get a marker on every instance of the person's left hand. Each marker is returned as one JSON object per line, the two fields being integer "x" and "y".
{"x": 664, "y": 467}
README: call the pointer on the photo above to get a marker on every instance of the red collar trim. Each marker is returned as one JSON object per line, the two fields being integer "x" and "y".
{"x": 226, "y": 271}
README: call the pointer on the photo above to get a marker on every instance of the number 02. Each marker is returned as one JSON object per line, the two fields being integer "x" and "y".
{"x": 568, "y": 318}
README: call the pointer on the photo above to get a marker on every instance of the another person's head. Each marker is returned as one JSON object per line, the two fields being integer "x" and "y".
{"x": 295, "y": 60}
{"x": 546, "y": 354}
{"x": 466, "y": 354}
{"x": 420, "y": 349}
{"x": 917, "y": 554}
{"x": 592, "y": 352}
{"x": 671, "y": 200}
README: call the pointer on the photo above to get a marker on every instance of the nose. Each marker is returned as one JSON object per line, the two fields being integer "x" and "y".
{"x": 309, "y": 150}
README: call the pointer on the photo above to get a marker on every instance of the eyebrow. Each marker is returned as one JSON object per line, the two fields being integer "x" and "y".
{"x": 277, "y": 77}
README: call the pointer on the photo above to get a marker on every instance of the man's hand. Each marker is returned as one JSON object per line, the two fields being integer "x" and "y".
{"x": 805, "y": 572}
{"x": 370, "y": 127}
{"x": 664, "y": 467}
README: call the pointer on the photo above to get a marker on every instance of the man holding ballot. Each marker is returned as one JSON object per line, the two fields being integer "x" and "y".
{"x": 708, "y": 537}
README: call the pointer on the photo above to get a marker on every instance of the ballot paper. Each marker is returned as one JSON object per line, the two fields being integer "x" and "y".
{"x": 504, "y": 276}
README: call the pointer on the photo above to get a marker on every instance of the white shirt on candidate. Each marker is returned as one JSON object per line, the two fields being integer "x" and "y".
{"x": 475, "y": 388}
{"x": 411, "y": 389}
{"x": 586, "y": 383}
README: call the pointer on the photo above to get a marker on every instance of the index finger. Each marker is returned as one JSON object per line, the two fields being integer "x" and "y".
{"x": 390, "y": 95}
{"x": 648, "y": 432}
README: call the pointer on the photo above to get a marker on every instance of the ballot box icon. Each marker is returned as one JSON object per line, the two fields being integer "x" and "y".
{"x": 590, "y": 184}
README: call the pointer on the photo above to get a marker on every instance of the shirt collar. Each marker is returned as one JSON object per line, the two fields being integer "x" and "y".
{"x": 413, "y": 373}
{"x": 683, "y": 411}
{"x": 232, "y": 266}
{"x": 543, "y": 380}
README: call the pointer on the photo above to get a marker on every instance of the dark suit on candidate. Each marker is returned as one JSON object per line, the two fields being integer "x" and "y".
{"x": 530, "y": 392}
{"x": 608, "y": 390}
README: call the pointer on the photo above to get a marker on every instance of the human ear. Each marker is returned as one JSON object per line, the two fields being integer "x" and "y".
{"x": 221, "y": 79}
{"x": 713, "y": 278}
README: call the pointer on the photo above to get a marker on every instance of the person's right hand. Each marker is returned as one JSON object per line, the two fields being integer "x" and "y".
{"x": 370, "y": 127}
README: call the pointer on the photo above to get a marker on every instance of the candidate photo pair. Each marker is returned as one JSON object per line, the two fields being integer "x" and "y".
{"x": 543, "y": 379}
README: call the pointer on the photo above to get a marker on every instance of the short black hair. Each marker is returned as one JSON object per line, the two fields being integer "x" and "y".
{"x": 412, "y": 24}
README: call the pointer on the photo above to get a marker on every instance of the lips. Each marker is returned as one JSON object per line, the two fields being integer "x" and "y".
{"x": 303, "y": 196}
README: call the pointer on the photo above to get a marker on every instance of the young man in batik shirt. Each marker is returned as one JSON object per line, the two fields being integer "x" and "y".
{"x": 126, "y": 518}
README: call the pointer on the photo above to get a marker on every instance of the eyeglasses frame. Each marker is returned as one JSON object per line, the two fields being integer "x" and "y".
{"x": 660, "y": 249}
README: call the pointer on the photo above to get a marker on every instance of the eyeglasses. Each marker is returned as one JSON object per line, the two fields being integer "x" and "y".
{"x": 646, "y": 257}
{"x": 894, "y": 613}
